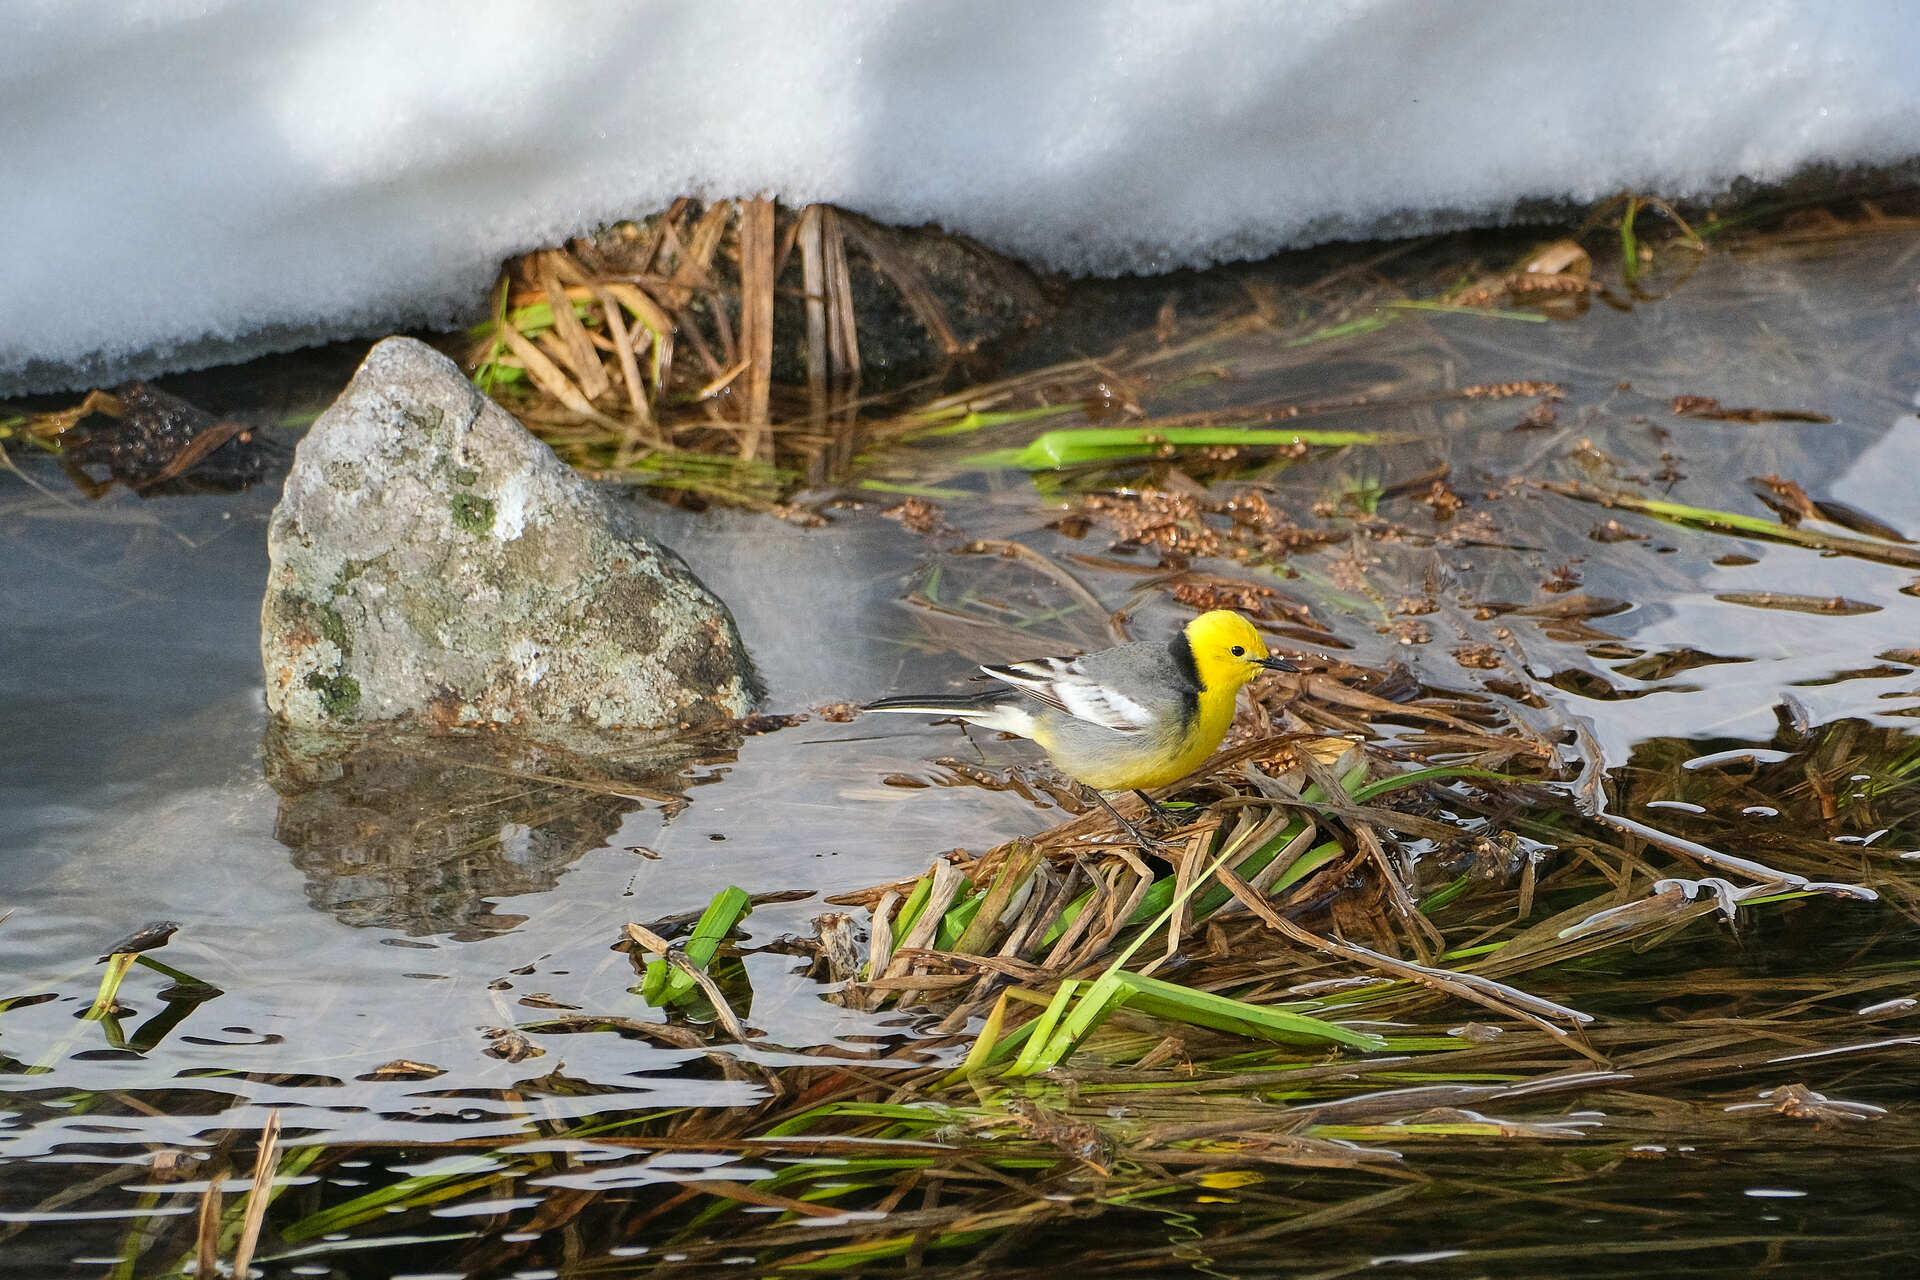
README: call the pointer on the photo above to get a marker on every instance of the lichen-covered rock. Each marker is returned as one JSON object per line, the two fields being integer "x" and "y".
{"x": 432, "y": 562}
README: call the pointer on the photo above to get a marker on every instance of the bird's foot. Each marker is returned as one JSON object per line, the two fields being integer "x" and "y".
{"x": 1140, "y": 837}
{"x": 1168, "y": 819}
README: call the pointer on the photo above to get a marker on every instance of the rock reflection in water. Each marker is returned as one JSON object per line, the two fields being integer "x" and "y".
{"x": 420, "y": 833}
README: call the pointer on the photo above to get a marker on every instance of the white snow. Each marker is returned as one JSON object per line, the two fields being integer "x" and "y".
{"x": 179, "y": 176}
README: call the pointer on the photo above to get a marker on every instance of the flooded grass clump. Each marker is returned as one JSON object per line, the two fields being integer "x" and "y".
{"x": 717, "y": 349}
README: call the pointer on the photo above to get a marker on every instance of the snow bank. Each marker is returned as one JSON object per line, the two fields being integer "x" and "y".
{"x": 180, "y": 176}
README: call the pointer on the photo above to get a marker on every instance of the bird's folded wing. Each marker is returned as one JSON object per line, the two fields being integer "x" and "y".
{"x": 1064, "y": 685}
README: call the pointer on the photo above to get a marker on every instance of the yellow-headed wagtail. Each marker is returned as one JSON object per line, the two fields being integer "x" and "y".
{"x": 1133, "y": 716}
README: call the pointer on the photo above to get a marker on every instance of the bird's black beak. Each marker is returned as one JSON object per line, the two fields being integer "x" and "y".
{"x": 1276, "y": 664}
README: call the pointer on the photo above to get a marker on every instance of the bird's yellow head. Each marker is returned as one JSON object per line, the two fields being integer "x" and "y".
{"x": 1228, "y": 652}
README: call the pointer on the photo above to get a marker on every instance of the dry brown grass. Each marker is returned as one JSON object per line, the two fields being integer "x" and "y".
{"x": 655, "y": 348}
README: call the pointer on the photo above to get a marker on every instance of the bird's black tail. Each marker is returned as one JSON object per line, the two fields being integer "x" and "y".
{"x": 941, "y": 703}
{"x": 998, "y": 709}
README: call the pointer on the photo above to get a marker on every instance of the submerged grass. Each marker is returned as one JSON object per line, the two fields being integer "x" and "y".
{"x": 1881, "y": 550}
{"x": 1054, "y": 449}
{"x": 1278, "y": 1023}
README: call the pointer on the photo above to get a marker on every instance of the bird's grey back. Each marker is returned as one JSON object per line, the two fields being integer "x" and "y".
{"x": 1144, "y": 672}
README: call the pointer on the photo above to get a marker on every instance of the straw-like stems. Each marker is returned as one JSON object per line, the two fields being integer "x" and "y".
{"x": 206, "y": 1245}
{"x": 756, "y": 323}
{"x": 833, "y": 343}
{"x": 809, "y": 238}
{"x": 257, "y": 1195}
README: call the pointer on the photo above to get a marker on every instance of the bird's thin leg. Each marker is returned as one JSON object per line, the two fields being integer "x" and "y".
{"x": 1167, "y": 817}
{"x": 1145, "y": 840}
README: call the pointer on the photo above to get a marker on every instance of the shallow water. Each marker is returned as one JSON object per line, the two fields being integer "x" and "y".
{"x": 135, "y": 788}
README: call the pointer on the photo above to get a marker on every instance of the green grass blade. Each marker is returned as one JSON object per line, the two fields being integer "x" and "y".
{"x": 1435, "y": 773}
{"x": 959, "y": 919}
{"x": 1101, "y": 997}
{"x": 1351, "y": 329}
{"x": 1065, "y": 448}
{"x": 467, "y": 1173}
{"x": 1445, "y": 894}
{"x": 981, "y": 1053}
{"x": 1454, "y": 308}
{"x": 103, "y": 1000}
{"x": 910, "y": 909}
{"x": 1306, "y": 864}
{"x": 1200, "y": 1008}
{"x": 1043, "y": 1029}
{"x": 726, "y": 910}
{"x": 1711, "y": 521}
{"x": 939, "y": 492}
{"x": 1630, "y": 243}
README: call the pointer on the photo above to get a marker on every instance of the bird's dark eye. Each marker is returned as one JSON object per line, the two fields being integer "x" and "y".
{"x": 1239, "y": 652}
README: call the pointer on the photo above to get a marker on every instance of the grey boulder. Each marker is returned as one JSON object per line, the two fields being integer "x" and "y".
{"x": 433, "y": 563}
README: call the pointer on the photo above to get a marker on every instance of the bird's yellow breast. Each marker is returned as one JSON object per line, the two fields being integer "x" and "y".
{"x": 1216, "y": 714}
{"x": 1125, "y": 761}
